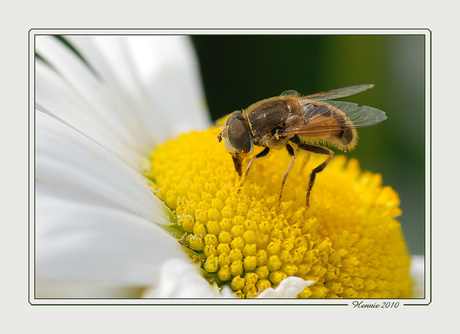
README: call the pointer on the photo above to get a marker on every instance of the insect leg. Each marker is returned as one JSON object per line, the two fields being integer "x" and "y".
{"x": 258, "y": 155}
{"x": 319, "y": 168}
{"x": 237, "y": 161}
{"x": 292, "y": 154}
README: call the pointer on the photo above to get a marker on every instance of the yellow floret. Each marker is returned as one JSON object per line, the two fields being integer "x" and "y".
{"x": 348, "y": 241}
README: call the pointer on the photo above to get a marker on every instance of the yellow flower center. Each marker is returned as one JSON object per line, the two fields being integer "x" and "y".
{"x": 347, "y": 241}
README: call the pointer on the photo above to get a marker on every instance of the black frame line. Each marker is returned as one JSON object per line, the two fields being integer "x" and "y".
{"x": 227, "y": 31}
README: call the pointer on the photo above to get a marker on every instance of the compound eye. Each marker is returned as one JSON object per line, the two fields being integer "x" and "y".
{"x": 239, "y": 136}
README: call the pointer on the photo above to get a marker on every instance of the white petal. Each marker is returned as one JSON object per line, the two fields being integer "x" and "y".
{"x": 181, "y": 279}
{"x": 167, "y": 68}
{"x": 417, "y": 272}
{"x": 55, "y": 97}
{"x": 79, "y": 244}
{"x": 158, "y": 74}
{"x": 146, "y": 88}
{"x": 96, "y": 231}
{"x": 104, "y": 102}
{"x": 65, "y": 289}
{"x": 74, "y": 165}
{"x": 290, "y": 287}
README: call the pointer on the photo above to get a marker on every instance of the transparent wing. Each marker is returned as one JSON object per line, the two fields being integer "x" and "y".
{"x": 332, "y": 116}
{"x": 360, "y": 116}
{"x": 290, "y": 92}
{"x": 338, "y": 93}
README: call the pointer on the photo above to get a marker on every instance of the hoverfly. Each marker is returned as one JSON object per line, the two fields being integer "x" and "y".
{"x": 290, "y": 120}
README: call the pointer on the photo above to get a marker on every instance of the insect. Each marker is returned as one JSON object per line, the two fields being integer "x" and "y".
{"x": 293, "y": 121}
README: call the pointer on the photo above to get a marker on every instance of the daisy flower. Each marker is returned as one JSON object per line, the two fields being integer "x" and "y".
{"x": 135, "y": 196}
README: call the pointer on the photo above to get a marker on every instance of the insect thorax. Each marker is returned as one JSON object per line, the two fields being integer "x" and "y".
{"x": 266, "y": 121}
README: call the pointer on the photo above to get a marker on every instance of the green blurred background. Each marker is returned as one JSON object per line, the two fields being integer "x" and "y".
{"x": 238, "y": 70}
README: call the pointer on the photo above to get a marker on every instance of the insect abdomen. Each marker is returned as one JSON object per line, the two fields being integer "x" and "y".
{"x": 330, "y": 125}
{"x": 347, "y": 136}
